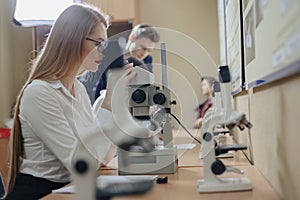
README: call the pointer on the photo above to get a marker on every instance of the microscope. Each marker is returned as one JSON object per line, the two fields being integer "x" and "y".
{"x": 222, "y": 115}
{"x": 125, "y": 133}
{"x": 134, "y": 127}
{"x": 151, "y": 104}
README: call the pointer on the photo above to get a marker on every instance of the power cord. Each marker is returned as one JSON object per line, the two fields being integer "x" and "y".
{"x": 184, "y": 128}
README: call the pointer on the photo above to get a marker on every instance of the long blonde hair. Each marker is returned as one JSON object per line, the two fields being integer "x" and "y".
{"x": 61, "y": 53}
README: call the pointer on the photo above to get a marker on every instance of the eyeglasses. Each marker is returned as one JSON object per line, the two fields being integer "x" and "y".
{"x": 101, "y": 45}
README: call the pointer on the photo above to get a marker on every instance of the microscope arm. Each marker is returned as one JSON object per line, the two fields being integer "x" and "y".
{"x": 85, "y": 173}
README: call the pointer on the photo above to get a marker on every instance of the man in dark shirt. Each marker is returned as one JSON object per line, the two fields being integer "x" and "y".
{"x": 141, "y": 41}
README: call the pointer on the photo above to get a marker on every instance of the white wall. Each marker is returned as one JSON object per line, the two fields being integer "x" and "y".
{"x": 190, "y": 31}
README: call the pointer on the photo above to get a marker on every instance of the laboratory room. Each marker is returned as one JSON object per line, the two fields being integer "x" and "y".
{"x": 149, "y": 99}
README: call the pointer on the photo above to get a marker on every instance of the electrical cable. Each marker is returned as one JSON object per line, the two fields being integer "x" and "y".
{"x": 184, "y": 128}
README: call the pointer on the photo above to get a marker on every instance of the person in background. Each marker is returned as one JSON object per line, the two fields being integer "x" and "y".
{"x": 140, "y": 43}
{"x": 53, "y": 116}
{"x": 207, "y": 90}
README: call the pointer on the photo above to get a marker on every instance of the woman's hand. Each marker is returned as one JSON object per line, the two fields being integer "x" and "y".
{"x": 124, "y": 75}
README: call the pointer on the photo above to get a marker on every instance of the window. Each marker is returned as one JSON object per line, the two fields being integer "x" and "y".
{"x": 29, "y": 13}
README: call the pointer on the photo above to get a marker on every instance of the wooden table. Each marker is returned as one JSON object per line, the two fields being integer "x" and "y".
{"x": 183, "y": 184}
{"x": 190, "y": 158}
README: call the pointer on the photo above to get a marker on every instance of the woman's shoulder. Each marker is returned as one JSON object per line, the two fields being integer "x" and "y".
{"x": 80, "y": 86}
{"x": 41, "y": 87}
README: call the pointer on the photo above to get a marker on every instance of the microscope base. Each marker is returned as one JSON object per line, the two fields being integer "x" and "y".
{"x": 224, "y": 185}
{"x": 160, "y": 161}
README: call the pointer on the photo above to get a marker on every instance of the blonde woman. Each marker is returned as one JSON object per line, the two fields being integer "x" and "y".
{"x": 53, "y": 114}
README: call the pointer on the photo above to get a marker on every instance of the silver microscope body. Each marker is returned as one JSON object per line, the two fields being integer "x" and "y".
{"x": 125, "y": 133}
{"x": 129, "y": 131}
{"x": 221, "y": 115}
{"x": 144, "y": 96}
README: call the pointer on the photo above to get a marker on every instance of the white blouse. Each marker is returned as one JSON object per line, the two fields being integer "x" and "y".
{"x": 54, "y": 123}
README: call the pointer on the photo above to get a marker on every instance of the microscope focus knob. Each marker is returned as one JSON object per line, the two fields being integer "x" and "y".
{"x": 159, "y": 98}
{"x": 138, "y": 96}
{"x": 81, "y": 166}
{"x": 218, "y": 167}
